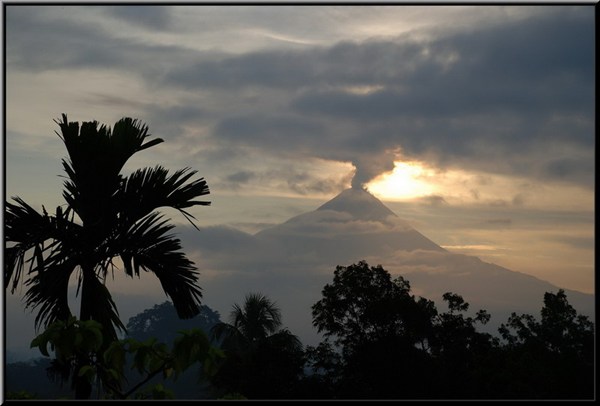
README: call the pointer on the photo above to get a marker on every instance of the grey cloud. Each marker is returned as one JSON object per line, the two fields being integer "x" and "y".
{"x": 347, "y": 63}
{"x": 493, "y": 107}
{"x": 518, "y": 199}
{"x": 499, "y": 222}
{"x": 151, "y": 17}
{"x": 585, "y": 243}
{"x": 570, "y": 169}
{"x": 171, "y": 121}
{"x": 483, "y": 180}
{"x": 433, "y": 200}
{"x": 222, "y": 247}
{"x": 369, "y": 166}
{"x": 274, "y": 132}
{"x": 125, "y": 103}
{"x": 241, "y": 176}
{"x": 301, "y": 182}
{"x": 563, "y": 38}
{"x": 490, "y": 99}
{"x": 498, "y": 203}
{"x": 68, "y": 43}
{"x": 304, "y": 184}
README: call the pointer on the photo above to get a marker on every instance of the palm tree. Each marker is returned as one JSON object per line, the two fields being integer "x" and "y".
{"x": 263, "y": 360}
{"x": 255, "y": 321}
{"x": 107, "y": 216}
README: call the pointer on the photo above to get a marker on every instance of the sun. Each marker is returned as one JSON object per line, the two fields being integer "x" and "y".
{"x": 408, "y": 180}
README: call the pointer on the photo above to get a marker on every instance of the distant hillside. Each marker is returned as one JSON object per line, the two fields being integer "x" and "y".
{"x": 292, "y": 261}
{"x": 160, "y": 321}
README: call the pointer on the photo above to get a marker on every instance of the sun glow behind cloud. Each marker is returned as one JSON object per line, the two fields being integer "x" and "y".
{"x": 406, "y": 181}
{"x": 415, "y": 180}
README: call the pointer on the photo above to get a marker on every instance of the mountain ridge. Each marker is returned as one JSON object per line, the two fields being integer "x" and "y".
{"x": 292, "y": 261}
{"x": 360, "y": 203}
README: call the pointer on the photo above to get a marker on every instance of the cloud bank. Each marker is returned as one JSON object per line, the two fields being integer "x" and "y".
{"x": 514, "y": 96}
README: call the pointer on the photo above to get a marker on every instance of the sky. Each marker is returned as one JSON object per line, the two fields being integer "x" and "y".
{"x": 475, "y": 124}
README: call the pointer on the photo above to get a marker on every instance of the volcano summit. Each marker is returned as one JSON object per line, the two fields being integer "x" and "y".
{"x": 292, "y": 261}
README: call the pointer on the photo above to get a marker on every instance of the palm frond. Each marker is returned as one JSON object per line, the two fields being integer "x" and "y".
{"x": 47, "y": 290}
{"x": 96, "y": 158}
{"x": 90, "y": 145}
{"x": 97, "y": 304}
{"x": 27, "y": 231}
{"x": 148, "y": 247}
{"x": 150, "y": 188}
{"x": 285, "y": 339}
{"x": 258, "y": 317}
{"x": 228, "y": 337}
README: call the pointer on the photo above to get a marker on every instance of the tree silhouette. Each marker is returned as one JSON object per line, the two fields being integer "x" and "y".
{"x": 107, "y": 215}
{"x": 262, "y": 359}
{"x": 391, "y": 344}
{"x": 550, "y": 358}
{"x": 161, "y": 322}
{"x": 258, "y": 318}
{"x": 364, "y": 304}
{"x": 463, "y": 356}
{"x": 380, "y": 330}
{"x": 388, "y": 344}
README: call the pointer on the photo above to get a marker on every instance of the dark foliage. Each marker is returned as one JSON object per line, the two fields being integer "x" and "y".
{"x": 107, "y": 215}
{"x": 262, "y": 361}
{"x": 389, "y": 344}
{"x": 161, "y": 321}
{"x": 551, "y": 358}
{"x": 381, "y": 342}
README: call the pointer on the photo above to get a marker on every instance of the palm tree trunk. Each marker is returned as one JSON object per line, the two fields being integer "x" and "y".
{"x": 83, "y": 388}
{"x": 85, "y": 310}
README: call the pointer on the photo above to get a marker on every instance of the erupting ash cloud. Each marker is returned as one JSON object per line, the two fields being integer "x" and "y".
{"x": 369, "y": 166}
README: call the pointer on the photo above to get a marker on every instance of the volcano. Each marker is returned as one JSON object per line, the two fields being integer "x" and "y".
{"x": 351, "y": 226}
{"x": 291, "y": 262}
{"x": 360, "y": 204}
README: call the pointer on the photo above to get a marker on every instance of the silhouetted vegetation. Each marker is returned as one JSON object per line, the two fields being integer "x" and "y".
{"x": 381, "y": 342}
{"x": 551, "y": 358}
{"x": 29, "y": 380}
{"x": 162, "y": 323}
{"x": 159, "y": 324}
{"x": 106, "y": 373}
{"x": 262, "y": 360}
{"x": 107, "y": 215}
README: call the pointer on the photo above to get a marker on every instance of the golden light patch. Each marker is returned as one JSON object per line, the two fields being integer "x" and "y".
{"x": 406, "y": 181}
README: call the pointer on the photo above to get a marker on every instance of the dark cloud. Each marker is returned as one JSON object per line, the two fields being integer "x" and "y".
{"x": 570, "y": 170}
{"x": 501, "y": 98}
{"x": 369, "y": 166}
{"x": 498, "y": 203}
{"x": 486, "y": 100}
{"x": 279, "y": 133}
{"x": 518, "y": 199}
{"x": 584, "y": 243}
{"x": 66, "y": 42}
{"x": 302, "y": 182}
{"x": 241, "y": 177}
{"x": 499, "y": 222}
{"x": 344, "y": 64}
{"x": 433, "y": 200}
{"x": 150, "y": 17}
